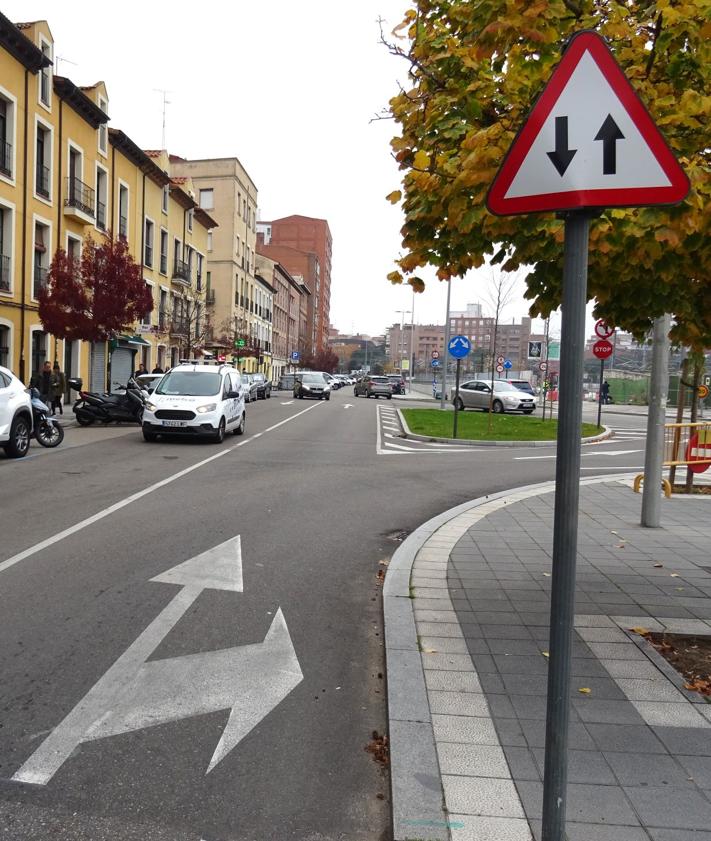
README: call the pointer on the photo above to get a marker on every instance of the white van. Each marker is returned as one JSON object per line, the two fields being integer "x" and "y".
{"x": 197, "y": 400}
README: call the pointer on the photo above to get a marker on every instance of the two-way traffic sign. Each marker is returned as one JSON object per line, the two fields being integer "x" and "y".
{"x": 588, "y": 142}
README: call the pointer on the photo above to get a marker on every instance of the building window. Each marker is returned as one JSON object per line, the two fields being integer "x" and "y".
{"x": 163, "y": 251}
{"x": 146, "y": 320}
{"x": 198, "y": 276}
{"x": 123, "y": 211}
{"x": 190, "y": 219}
{"x": 5, "y": 249}
{"x": 164, "y": 202}
{"x": 209, "y": 240}
{"x": 73, "y": 247}
{"x": 43, "y": 157}
{"x": 103, "y": 128}
{"x": 148, "y": 244}
{"x": 45, "y": 78}
{"x": 4, "y": 346}
{"x": 40, "y": 262}
{"x": 7, "y": 123}
{"x": 207, "y": 199}
{"x": 101, "y": 197}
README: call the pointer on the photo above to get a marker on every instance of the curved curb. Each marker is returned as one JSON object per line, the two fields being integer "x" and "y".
{"x": 416, "y": 781}
{"x": 468, "y": 442}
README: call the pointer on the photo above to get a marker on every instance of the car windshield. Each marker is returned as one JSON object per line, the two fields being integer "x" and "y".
{"x": 312, "y": 378}
{"x": 190, "y": 383}
{"x": 499, "y": 386}
{"x": 258, "y": 378}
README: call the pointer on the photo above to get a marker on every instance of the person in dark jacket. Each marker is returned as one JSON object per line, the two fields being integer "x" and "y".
{"x": 42, "y": 381}
{"x": 605, "y": 392}
{"x": 141, "y": 370}
{"x": 57, "y": 387}
{"x": 157, "y": 370}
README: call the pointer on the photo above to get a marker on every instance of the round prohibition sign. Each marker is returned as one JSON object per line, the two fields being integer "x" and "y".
{"x": 602, "y": 329}
{"x": 702, "y": 392}
{"x": 435, "y": 354}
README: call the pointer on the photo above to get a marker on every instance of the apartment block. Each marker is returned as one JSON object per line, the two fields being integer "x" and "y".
{"x": 65, "y": 176}
{"x": 310, "y": 235}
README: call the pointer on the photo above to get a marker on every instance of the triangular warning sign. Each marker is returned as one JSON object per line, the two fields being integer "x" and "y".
{"x": 588, "y": 142}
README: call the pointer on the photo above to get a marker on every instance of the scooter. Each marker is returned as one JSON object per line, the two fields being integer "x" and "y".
{"x": 46, "y": 429}
{"x": 125, "y": 407}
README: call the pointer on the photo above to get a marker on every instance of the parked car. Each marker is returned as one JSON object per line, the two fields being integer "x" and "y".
{"x": 286, "y": 382}
{"x": 476, "y": 394}
{"x": 397, "y": 383}
{"x": 333, "y": 381}
{"x": 197, "y": 400}
{"x": 311, "y": 384}
{"x": 523, "y": 385}
{"x": 15, "y": 415}
{"x": 264, "y": 386}
{"x": 373, "y": 385}
{"x": 250, "y": 388}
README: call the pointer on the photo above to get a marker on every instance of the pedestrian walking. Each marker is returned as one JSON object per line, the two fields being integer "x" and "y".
{"x": 157, "y": 370}
{"x": 42, "y": 381}
{"x": 141, "y": 370}
{"x": 57, "y": 387}
{"x": 605, "y": 392}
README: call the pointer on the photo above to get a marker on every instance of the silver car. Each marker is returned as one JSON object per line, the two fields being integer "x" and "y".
{"x": 476, "y": 394}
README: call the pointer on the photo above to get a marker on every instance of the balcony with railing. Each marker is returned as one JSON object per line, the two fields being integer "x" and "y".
{"x": 42, "y": 180}
{"x": 101, "y": 215}
{"x": 80, "y": 201}
{"x": 4, "y": 273}
{"x": 6, "y": 158}
{"x": 181, "y": 272}
{"x": 39, "y": 280}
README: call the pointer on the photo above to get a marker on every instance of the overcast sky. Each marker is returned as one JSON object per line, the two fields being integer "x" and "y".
{"x": 290, "y": 89}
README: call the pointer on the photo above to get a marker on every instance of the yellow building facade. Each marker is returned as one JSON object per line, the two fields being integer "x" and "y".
{"x": 66, "y": 176}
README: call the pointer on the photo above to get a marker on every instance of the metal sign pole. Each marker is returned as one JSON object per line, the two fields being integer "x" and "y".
{"x": 446, "y": 345}
{"x": 599, "y": 393}
{"x": 565, "y": 529}
{"x": 456, "y": 393}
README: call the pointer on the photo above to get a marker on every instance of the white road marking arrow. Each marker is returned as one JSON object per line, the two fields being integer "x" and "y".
{"x": 347, "y": 405}
{"x": 286, "y": 402}
{"x": 249, "y": 680}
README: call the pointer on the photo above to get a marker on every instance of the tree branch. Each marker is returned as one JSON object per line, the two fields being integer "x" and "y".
{"x": 393, "y": 49}
{"x": 652, "y": 55}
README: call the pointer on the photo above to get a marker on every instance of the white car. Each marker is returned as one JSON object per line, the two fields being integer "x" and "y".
{"x": 15, "y": 415}
{"x": 476, "y": 394}
{"x": 196, "y": 400}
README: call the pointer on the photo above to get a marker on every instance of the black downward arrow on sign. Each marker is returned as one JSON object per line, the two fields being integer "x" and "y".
{"x": 562, "y": 156}
{"x": 609, "y": 134}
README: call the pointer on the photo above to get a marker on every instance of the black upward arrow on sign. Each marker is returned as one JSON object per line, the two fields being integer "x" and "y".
{"x": 562, "y": 156}
{"x": 609, "y": 134}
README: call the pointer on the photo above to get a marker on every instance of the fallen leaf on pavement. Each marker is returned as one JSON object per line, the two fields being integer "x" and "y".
{"x": 674, "y": 574}
{"x": 546, "y": 653}
{"x": 585, "y": 690}
{"x": 379, "y": 747}
{"x": 658, "y": 566}
{"x": 547, "y": 574}
{"x": 380, "y": 576}
{"x": 384, "y": 562}
{"x": 639, "y": 630}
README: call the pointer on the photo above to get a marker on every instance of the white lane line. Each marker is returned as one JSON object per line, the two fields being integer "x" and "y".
{"x": 615, "y": 467}
{"x": 583, "y": 455}
{"x": 117, "y": 506}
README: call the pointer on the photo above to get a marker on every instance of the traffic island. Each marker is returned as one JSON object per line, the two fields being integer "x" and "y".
{"x": 473, "y": 428}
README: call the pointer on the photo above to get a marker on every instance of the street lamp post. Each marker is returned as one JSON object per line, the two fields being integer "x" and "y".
{"x": 401, "y": 338}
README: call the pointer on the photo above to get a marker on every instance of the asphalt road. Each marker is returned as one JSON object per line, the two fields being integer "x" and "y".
{"x": 115, "y": 675}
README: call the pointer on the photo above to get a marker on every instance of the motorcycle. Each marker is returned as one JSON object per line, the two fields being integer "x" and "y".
{"x": 124, "y": 407}
{"x": 46, "y": 429}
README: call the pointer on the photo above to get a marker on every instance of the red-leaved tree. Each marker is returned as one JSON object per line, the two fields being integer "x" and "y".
{"x": 96, "y": 297}
{"x": 323, "y": 360}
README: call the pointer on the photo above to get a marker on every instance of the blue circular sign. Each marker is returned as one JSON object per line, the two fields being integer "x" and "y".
{"x": 459, "y": 346}
{"x": 435, "y": 363}
{"x": 508, "y": 364}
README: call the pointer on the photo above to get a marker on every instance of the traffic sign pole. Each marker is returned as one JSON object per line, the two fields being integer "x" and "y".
{"x": 565, "y": 528}
{"x": 599, "y": 393}
{"x": 446, "y": 345}
{"x": 456, "y": 394}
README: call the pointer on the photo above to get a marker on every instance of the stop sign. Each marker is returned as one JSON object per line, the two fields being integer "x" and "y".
{"x": 602, "y": 349}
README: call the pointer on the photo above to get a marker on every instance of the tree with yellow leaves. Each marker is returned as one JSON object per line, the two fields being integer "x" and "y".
{"x": 475, "y": 69}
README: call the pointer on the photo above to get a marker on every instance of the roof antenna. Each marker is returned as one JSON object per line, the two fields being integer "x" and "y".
{"x": 59, "y": 58}
{"x": 166, "y": 102}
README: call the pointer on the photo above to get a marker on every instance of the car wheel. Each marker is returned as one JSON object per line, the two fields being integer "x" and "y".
{"x": 239, "y": 430}
{"x": 149, "y": 436}
{"x": 220, "y": 434}
{"x": 459, "y": 404}
{"x": 328, "y": 397}
{"x": 269, "y": 394}
{"x": 390, "y": 397}
{"x": 498, "y": 407}
{"x": 19, "y": 442}
{"x": 355, "y": 392}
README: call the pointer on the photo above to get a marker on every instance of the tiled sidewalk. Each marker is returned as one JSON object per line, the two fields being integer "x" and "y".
{"x": 467, "y": 694}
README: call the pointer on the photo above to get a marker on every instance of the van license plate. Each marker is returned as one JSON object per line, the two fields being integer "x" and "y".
{"x": 174, "y": 423}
